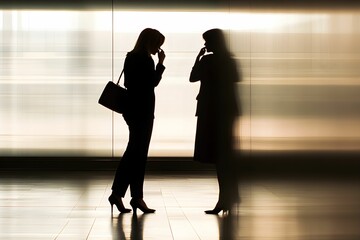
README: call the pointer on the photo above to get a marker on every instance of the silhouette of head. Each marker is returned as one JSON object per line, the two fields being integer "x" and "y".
{"x": 149, "y": 40}
{"x": 215, "y": 41}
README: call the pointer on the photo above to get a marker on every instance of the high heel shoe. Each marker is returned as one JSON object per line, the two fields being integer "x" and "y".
{"x": 140, "y": 204}
{"x": 216, "y": 210}
{"x": 118, "y": 203}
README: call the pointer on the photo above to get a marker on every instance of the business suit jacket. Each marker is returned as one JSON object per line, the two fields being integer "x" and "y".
{"x": 141, "y": 78}
{"x": 216, "y": 106}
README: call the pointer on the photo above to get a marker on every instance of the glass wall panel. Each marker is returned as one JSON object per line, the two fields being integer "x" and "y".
{"x": 305, "y": 82}
{"x": 53, "y": 64}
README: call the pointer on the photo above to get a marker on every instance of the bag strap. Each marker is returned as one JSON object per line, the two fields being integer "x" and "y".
{"x": 118, "y": 81}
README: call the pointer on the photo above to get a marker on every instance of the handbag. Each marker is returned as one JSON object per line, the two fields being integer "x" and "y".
{"x": 114, "y": 97}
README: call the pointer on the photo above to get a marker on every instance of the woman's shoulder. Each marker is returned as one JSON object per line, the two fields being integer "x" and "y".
{"x": 137, "y": 57}
{"x": 131, "y": 55}
{"x": 137, "y": 54}
{"x": 208, "y": 59}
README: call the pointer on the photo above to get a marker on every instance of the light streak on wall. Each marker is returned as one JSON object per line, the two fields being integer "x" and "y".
{"x": 299, "y": 90}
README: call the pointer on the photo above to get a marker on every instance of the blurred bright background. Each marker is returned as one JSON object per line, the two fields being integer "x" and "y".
{"x": 299, "y": 90}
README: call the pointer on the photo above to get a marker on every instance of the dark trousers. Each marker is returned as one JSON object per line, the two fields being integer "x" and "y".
{"x": 131, "y": 169}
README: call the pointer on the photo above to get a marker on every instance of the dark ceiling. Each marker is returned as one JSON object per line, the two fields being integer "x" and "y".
{"x": 184, "y": 4}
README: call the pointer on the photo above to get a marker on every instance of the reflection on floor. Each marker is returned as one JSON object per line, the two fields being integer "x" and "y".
{"x": 73, "y": 205}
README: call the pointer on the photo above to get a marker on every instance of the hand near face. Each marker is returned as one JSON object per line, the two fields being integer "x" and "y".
{"x": 161, "y": 55}
{"x": 200, "y": 54}
{"x": 202, "y": 51}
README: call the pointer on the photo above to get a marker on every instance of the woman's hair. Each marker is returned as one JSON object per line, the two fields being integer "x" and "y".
{"x": 149, "y": 38}
{"x": 216, "y": 38}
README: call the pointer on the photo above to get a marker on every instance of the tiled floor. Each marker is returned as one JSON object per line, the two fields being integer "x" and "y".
{"x": 73, "y": 205}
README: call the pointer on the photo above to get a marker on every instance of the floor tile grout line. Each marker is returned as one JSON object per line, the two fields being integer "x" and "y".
{"x": 62, "y": 230}
{"x": 182, "y": 210}
{"x": 167, "y": 215}
{"x": 87, "y": 237}
{"x": 179, "y": 206}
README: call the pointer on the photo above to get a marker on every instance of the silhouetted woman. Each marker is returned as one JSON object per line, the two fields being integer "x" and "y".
{"x": 141, "y": 77}
{"x": 216, "y": 112}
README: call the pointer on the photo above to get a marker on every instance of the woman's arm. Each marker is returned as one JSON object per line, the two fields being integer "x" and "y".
{"x": 160, "y": 68}
{"x": 195, "y": 74}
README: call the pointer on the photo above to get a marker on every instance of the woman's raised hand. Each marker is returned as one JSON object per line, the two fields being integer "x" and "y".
{"x": 161, "y": 55}
{"x": 202, "y": 52}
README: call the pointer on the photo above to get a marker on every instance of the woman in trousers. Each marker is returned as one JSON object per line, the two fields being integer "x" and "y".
{"x": 141, "y": 78}
{"x": 216, "y": 112}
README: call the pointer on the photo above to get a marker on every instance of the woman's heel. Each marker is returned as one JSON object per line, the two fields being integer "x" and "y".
{"x": 139, "y": 203}
{"x": 114, "y": 200}
{"x": 218, "y": 208}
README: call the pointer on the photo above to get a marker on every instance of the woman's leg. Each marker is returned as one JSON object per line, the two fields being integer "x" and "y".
{"x": 125, "y": 170}
{"x": 122, "y": 176}
{"x": 143, "y": 132}
{"x": 224, "y": 183}
{"x": 131, "y": 169}
{"x": 226, "y": 167}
